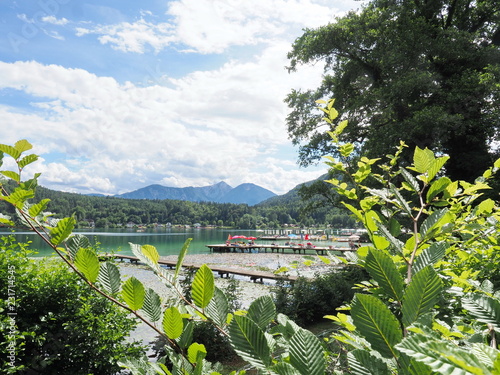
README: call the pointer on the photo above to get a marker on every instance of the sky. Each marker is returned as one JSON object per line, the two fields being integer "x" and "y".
{"x": 116, "y": 95}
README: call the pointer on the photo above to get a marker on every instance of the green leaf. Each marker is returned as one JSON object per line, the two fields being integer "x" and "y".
{"x": 152, "y": 305}
{"x": 28, "y": 159}
{"x": 377, "y": 324}
{"x": 436, "y": 166}
{"x": 437, "y": 187}
{"x": 385, "y": 273}
{"x": 133, "y": 293}
{"x": 429, "y": 256}
{"x": 9, "y": 150}
{"x": 484, "y": 308}
{"x": 397, "y": 244}
{"x": 443, "y": 357}
{"x": 283, "y": 368}
{"x": 203, "y": 286}
{"x": 430, "y": 225}
{"x": 172, "y": 323}
{"x": 18, "y": 197}
{"x": 410, "y": 179}
{"x": 180, "y": 258}
{"x": 12, "y": 175}
{"x": 362, "y": 362}
{"x": 187, "y": 335}
{"x": 403, "y": 204}
{"x": 109, "y": 277}
{"x": 151, "y": 253}
{"x": 88, "y": 264}
{"x": 62, "y": 230}
{"x": 249, "y": 342}
{"x": 38, "y": 208}
{"x": 262, "y": 311}
{"x": 76, "y": 242}
{"x": 421, "y": 294}
{"x": 218, "y": 308}
{"x": 306, "y": 353}
{"x": 196, "y": 352}
{"x": 23, "y": 145}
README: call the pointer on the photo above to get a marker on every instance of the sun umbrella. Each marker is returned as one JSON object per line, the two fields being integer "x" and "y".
{"x": 238, "y": 237}
{"x": 251, "y": 238}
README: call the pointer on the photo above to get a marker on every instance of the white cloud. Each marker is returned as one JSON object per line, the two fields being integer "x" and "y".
{"x": 55, "y": 21}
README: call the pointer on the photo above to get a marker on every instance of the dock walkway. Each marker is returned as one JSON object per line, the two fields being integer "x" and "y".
{"x": 319, "y": 250}
{"x": 221, "y": 271}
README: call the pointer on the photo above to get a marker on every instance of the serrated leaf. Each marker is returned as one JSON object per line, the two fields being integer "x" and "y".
{"x": 444, "y": 358}
{"x": 38, "y": 208}
{"x": 74, "y": 243}
{"x": 196, "y": 352}
{"x": 249, "y": 342}
{"x": 306, "y": 353}
{"x": 383, "y": 270}
{"x": 218, "y": 308}
{"x": 429, "y": 226}
{"x": 429, "y": 256}
{"x": 377, "y": 324}
{"x": 28, "y": 159}
{"x": 421, "y": 294}
{"x": 400, "y": 199}
{"x": 262, "y": 311}
{"x": 410, "y": 179}
{"x": 151, "y": 252}
{"x": 180, "y": 258}
{"x": 396, "y": 244}
{"x": 422, "y": 159}
{"x": 88, "y": 264}
{"x": 62, "y": 230}
{"x": 9, "y": 150}
{"x": 172, "y": 323}
{"x": 484, "y": 308}
{"x": 202, "y": 288}
{"x": 437, "y": 187}
{"x": 109, "y": 277}
{"x": 133, "y": 293}
{"x": 152, "y": 305}
{"x": 23, "y": 145}
{"x": 19, "y": 197}
{"x": 361, "y": 362}
{"x": 436, "y": 166}
{"x": 12, "y": 175}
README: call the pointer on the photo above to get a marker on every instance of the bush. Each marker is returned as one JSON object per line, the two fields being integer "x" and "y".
{"x": 308, "y": 301}
{"x": 63, "y": 327}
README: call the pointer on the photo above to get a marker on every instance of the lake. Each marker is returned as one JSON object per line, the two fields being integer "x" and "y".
{"x": 168, "y": 241}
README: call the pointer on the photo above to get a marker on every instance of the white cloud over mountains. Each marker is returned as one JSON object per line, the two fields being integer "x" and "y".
{"x": 97, "y": 134}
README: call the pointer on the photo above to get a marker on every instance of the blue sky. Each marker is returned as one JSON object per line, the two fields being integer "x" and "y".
{"x": 117, "y": 95}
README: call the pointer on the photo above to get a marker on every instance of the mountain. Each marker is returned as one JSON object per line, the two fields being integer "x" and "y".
{"x": 221, "y": 192}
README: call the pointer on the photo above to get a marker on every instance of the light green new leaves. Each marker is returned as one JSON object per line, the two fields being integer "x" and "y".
{"x": 109, "y": 277}
{"x": 249, "y": 342}
{"x": 133, "y": 293}
{"x": 203, "y": 286}
{"x": 385, "y": 273}
{"x": 172, "y": 323}
{"x": 306, "y": 353}
{"x": 16, "y": 150}
{"x": 426, "y": 164}
{"x": 377, "y": 324}
{"x": 180, "y": 258}
{"x": 74, "y": 243}
{"x": 421, "y": 294}
{"x": 196, "y": 352}
{"x": 62, "y": 230}
{"x": 87, "y": 263}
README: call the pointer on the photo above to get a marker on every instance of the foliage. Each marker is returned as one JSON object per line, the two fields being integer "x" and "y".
{"x": 423, "y": 72}
{"x": 307, "y": 301}
{"x": 429, "y": 307}
{"x": 62, "y": 326}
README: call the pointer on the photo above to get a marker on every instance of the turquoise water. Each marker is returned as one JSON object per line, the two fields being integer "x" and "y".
{"x": 168, "y": 241}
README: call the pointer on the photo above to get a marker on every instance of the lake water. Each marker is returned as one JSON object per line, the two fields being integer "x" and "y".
{"x": 168, "y": 241}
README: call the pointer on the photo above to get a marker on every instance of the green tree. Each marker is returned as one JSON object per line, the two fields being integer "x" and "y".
{"x": 425, "y": 72}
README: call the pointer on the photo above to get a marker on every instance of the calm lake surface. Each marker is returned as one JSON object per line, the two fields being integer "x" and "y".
{"x": 168, "y": 241}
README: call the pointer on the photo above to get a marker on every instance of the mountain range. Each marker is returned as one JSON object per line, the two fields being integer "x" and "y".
{"x": 221, "y": 192}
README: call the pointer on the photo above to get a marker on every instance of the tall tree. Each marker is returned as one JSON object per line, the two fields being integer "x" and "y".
{"x": 423, "y": 71}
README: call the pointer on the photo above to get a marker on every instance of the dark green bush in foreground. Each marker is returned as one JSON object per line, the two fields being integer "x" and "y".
{"x": 309, "y": 300}
{"x": 64, "y": 327}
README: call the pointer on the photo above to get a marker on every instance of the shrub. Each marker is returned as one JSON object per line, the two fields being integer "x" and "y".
{"x": 307, "y": 301}
{"x": 63, "y": 326}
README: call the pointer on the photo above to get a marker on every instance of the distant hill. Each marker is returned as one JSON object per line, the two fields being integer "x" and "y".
{"x": 221, "y": 192}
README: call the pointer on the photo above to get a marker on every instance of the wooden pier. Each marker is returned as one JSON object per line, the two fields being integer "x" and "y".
{"x": 221, "y": 271}
{"x": 284, "y": 249}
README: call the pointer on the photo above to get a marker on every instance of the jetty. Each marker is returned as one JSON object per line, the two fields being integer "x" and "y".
{"x": 284, "y": 249}
{"x": 255, "y": 276}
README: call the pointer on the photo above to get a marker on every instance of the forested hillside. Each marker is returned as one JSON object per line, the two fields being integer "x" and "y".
{"x": 116, "y": 212}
